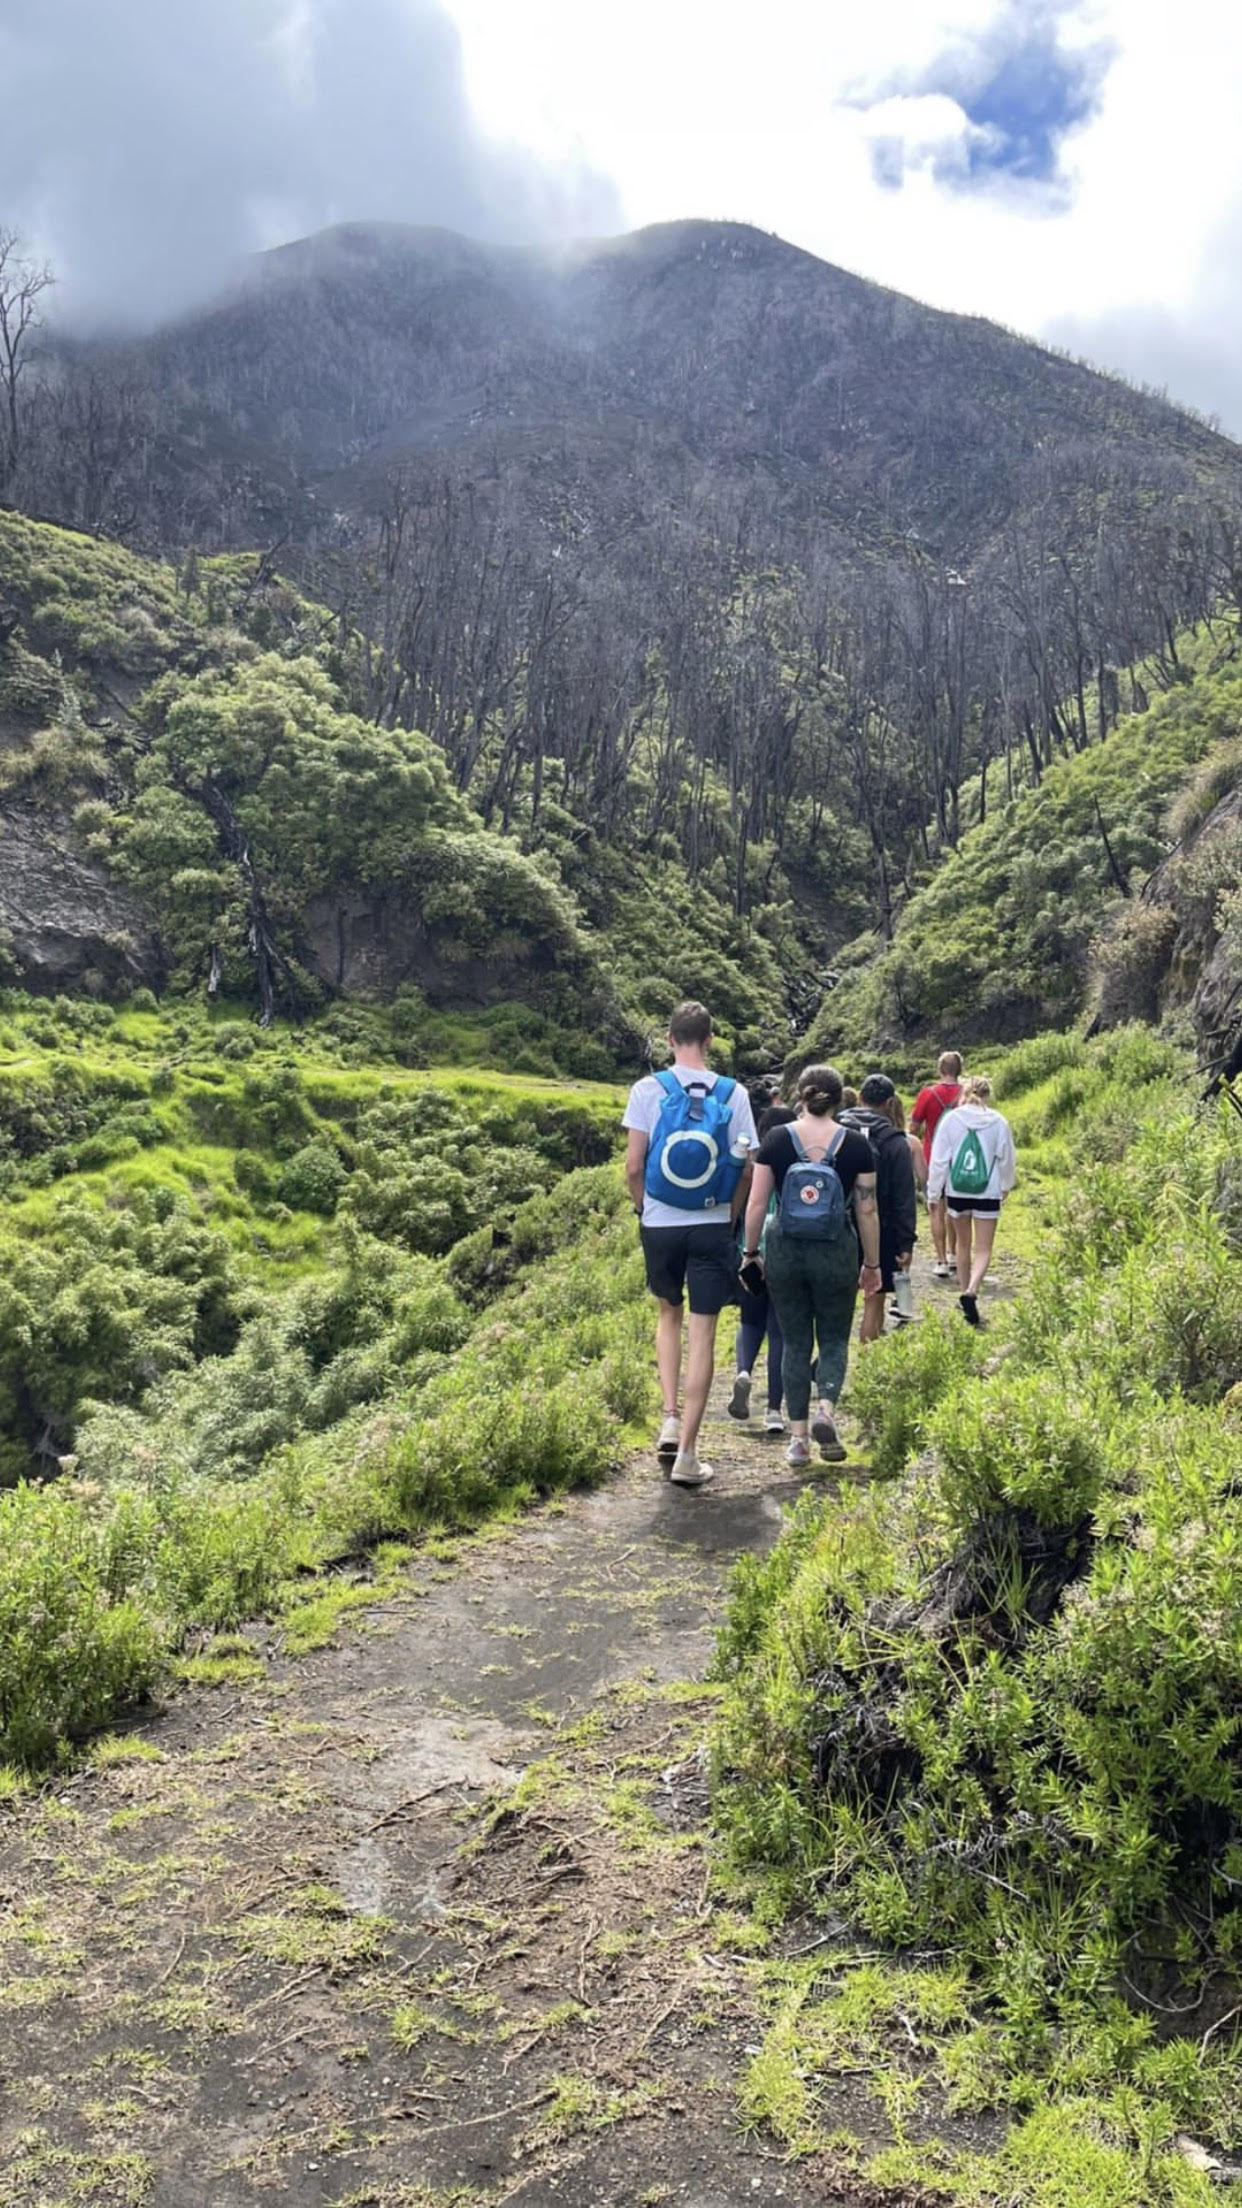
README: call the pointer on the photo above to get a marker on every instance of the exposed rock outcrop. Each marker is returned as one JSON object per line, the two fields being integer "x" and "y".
{"x": 64, "y": 923}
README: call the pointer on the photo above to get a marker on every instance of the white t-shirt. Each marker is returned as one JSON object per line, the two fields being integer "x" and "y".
{"x": 643, "y": 1110}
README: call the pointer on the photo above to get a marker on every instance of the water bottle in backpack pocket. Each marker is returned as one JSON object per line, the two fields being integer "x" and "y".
{"x": 812, "y": 1205}
{"x": 688, "y": 1157}
{"x": 970, "y": 1172}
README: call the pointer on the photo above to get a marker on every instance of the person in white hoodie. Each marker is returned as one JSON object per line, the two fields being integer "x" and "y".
{"x": 973, "y": 1167}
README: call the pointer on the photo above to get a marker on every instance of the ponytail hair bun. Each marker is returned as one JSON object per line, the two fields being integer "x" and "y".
{"x": 820, "y": 1090}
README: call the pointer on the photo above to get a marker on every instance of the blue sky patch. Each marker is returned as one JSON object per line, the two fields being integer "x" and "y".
{"x": 1020, "y": 87}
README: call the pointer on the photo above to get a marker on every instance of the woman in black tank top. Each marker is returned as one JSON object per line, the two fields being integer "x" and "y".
{"x": 814, "y": 1284}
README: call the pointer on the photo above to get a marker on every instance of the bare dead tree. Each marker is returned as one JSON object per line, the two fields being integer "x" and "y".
{"x": 22, "y": 285}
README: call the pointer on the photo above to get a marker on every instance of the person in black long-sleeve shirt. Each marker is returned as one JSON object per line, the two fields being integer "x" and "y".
{"x": 896, "y": 1199}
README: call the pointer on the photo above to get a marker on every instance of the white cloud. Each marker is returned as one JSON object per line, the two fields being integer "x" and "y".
{"x": 918, "y": 131}
{"x": 148, "y": 145}
{"x": 723, "y": 108}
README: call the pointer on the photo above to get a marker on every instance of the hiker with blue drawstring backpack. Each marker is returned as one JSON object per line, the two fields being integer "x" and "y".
{"x": 974, "y": 1169}
{"x": 823, "y": 1177}
{"x": 691, "y": 1138}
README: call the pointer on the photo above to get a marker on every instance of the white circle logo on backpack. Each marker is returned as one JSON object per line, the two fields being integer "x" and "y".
{"x": 810, "y": 1192}
{"x": 702, "y": 1143}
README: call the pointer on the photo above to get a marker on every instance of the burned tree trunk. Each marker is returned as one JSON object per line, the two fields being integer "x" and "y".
{"x": 270, "y": 962}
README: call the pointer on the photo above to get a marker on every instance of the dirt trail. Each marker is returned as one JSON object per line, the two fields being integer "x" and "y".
{"x": 424, "y": 1917}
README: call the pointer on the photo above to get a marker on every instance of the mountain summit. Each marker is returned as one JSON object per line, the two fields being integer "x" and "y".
{"x": 712, "y": 351}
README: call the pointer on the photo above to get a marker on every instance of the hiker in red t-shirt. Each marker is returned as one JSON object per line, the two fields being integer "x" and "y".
{"x": 929, "y": 1105}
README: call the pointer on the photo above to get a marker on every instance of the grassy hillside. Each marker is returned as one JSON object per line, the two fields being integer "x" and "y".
{"x": 189, "y": 737}
{"x": 191, "y": 800}
{"x": 260, "y": 1309}
{"x": 997, "y": 944}
{"x": 987, "y": 1717}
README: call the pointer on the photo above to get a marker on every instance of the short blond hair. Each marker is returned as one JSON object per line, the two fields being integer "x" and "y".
{"x": 976, "y": 1088}
{"x": 949, "y": 1065}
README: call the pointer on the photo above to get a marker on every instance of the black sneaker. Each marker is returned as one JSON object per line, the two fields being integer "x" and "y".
{"x": 739, "y": 1401}
{"x": 824, "y": 1431}
{"x": 970, "y": 1310}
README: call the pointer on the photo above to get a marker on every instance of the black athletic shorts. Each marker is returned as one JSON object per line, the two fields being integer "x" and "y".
{"x": 972, "y": 1207}
{"x": 699, "y": 1261}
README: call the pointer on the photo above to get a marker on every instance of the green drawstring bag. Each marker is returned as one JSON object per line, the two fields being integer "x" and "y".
{"x": 970, "y": 1172}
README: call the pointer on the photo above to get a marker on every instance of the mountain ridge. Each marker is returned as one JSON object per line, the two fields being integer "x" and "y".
{"x": 725, "y": 350}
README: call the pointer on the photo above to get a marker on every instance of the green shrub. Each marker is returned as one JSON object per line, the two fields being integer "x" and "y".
{"x": 1034, "y": 1061}
{"x": 1009, "y": 1443}
{"x": 312, "y": 1180}
{"x": 896, "y": 1388}
{"x": 73, "y": 1653}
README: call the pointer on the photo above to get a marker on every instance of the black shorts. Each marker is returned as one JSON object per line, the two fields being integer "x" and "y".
{"x": 972, "y": 1207}
{"x": 699, "y": 1261}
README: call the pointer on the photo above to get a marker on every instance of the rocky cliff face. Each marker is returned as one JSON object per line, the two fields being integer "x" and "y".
{"x": 63, "y": 923}
{"x": 1177, "y": 949}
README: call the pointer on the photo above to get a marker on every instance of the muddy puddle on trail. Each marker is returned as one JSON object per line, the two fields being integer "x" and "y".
{"x": 424, "y": 1918}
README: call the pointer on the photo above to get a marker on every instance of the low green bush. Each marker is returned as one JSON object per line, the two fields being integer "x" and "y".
{"x": 1034, "y": 1061}
{"x": 312, "y": 1180}
{"x": 894, "y": 1393}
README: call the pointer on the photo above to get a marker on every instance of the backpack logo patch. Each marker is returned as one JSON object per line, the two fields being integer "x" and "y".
{"x": 689, "y": 1160}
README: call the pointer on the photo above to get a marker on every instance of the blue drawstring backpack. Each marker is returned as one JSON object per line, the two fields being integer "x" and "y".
{"x": 688, "y": 1161}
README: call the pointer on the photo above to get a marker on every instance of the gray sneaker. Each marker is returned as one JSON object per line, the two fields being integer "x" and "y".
{"x": 669, "y": 1442}
{"x": 798, "y": 1454}
{"x": 688, "y": 1471}
{"x": 773, "y": 1426}
{"x": 739, "y": 1401}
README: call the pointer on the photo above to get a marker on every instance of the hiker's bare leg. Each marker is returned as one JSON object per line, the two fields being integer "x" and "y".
{"x": 872, "y": 1318}
{"x": 700, "y": 1365}
{"x": 961, "y": 1231}
{"x": 985, "y": 1236}
{"x": 668, "y": 1354}
{"x": 938, "y": 1219}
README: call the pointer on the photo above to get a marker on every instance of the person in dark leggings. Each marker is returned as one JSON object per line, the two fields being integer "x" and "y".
{"x": 757, "y": 1319}
{"x": 814, "y": 1284}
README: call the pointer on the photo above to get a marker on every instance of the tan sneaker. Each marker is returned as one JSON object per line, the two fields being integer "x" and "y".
{"x": 689, "y": 1471}
{"x": 669, "y": 1442}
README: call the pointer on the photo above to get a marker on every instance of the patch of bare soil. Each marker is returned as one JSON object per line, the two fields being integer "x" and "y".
{"x": 427, "y": 1917}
